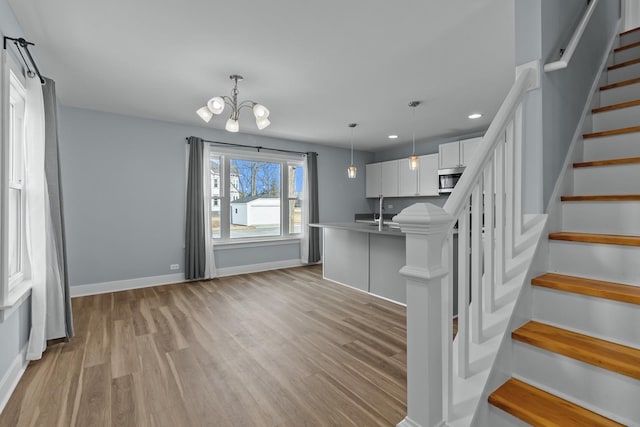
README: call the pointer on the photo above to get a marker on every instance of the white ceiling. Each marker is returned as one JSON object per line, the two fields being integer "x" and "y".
{"x": 317, "y": 65}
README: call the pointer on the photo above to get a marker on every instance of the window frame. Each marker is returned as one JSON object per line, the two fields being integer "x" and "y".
{"x": 224, "y": 191}
{"x": 16, "y": 289}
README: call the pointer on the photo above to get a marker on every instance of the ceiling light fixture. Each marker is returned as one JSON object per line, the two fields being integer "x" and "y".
{"x": 216, "y": 106}
{"x": 413, "y": 160}
{"x": 475, "y": 116}
{"x": 351, "y": 171}
{"x": 393, "y": 136}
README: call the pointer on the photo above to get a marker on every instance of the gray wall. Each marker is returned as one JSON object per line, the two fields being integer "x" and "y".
{"x": 553, "y": 112}
{"x": 14, "y": 331}
{"x": 124, "y": 190}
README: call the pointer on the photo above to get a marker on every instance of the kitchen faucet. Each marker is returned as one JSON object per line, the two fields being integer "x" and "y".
{"x": 381, "y": 220}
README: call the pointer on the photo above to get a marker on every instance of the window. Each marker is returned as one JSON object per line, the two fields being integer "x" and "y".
{"x": 255, "y": 196}
{"x": 16, "y": 206}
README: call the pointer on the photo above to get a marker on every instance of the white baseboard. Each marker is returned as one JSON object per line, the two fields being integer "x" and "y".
{"x": 125, "y": 285}
{"x": 255, "y": 268}
{"x": 145, "y": 282}
{"x": 10, "y": 380}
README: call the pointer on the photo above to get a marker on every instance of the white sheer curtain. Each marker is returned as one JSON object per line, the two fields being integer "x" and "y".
{"x": 210, "y": 264}
{"x": 36, "y": 215}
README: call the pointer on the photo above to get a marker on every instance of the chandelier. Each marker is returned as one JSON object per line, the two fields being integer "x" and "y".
{"x": 216, "y": 106}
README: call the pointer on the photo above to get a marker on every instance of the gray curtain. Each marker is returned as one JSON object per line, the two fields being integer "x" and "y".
{"x": 59, "y": 316}
{"x": 314, "y": 210}
{"x": 195, "y": 250}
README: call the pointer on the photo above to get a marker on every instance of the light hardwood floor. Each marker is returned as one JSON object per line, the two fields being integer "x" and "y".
{"x": 280, "y": 348}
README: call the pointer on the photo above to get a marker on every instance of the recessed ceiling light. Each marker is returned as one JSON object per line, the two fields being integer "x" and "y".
{"x": 393, "y": 136}
{"x": 475, "y": 116}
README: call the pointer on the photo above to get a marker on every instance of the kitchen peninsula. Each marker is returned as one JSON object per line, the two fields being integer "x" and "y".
{"x": 363, "y": 257}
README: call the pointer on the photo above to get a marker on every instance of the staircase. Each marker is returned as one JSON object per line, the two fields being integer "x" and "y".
{"x": 577, "y": 362}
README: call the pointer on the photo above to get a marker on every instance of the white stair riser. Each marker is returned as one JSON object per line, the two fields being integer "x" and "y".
{"x": 612, "y": 147}
{"x": 602, "y": 217}
{"x": 498, "y": 418}
{"x": 626, "y": 55}
{"x": 630, "y": 38}
{"x": 597, "y": 317}
{"x": 612, "y": 263}
{"x": 620, "y": 94}
{"x": 602, "y": 391}
{"x": 623, "y": 73}
{"x": 616, "y": 119}
{"x": 617, "y": 179}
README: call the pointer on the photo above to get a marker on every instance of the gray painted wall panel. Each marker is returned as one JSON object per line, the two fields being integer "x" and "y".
{"x": 124, "y": 192}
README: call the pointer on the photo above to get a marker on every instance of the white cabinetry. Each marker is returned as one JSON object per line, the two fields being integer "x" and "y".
{"x": 390, "y": 178}
{"x": 457, "y": 154}
{"x": 395, "y": 179}
{"x": 428, "y": 175}
{"x": 407, "y": 179}
{"x": 449, "y": 155}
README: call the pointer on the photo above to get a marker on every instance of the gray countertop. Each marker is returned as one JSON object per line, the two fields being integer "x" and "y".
{"x": 362, "y": 227}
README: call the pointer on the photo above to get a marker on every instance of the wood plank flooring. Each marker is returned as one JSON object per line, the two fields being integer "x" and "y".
{"x": 280, "y": 348}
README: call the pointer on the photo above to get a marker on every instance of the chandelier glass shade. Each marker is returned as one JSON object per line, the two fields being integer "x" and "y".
{"x": 413, "y": 160}
{"x": 351, "y": 170}
{"x": 216, "y": 106}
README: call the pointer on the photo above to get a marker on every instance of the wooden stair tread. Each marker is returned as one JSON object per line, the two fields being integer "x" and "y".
{"x": 612, "y": 132}
{"x": 616, "y": 106}
{"x": 602, "y": 198}
{"x": 624, "y": 64}
{"x": 590, "y": 287}
{"x": 594, "y": 351}
{"x": 627, "y": 46}
{"x": 625, "y": 161}
{"x": 633, "y": 30}
{"x": 539, "y": 408}
{"x": 607, "y": 239}
{"x": 620, "y": 84}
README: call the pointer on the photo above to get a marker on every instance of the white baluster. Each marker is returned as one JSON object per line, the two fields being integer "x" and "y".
{"x": 463, "y": 293}
{"x": 517, "y": 161}
{"x": 476, "y": 264}
{"x": 500, "y": 214}
{"x": 489, "y": 244}
{"x": 508, "y": 229}
{"x": 447, "y": 321}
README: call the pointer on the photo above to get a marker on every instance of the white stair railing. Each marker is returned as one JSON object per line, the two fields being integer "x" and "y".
{"x": 487, "y": 206}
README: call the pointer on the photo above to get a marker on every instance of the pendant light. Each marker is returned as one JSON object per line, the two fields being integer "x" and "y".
{"x": 413, "y": 160}
{"x": 351, "y": 171}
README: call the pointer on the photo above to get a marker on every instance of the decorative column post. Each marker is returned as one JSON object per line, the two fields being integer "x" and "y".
{"x": 426, "y": 228}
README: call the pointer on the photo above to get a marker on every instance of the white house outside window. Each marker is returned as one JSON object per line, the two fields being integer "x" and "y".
{"x": 255, "y": 196}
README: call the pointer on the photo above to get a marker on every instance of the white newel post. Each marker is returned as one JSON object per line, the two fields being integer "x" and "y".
{"x": 426, "y": 228}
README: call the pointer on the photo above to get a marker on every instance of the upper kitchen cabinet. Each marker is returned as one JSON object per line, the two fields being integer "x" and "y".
{"x": 428, "y": 175}
{"x": 467, "y": 149}
{"x": 407, "y": 179}
{"x": 390, "y": 178}
{"x": 395, "y": 179}
{"x": 457, "y": 154}
{"x": 382, "y": 179}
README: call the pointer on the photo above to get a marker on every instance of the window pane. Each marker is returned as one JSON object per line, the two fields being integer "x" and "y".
{"x": 255, "y": 198}
{"x": 295, "y": 199}
{"x": 15, "y": 234}
{"x": 214, "y": 170}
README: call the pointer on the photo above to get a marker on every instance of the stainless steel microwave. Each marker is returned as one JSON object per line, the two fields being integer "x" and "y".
{"x": 448, "y": 178}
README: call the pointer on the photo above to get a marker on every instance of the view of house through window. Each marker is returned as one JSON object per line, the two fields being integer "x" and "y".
{"x": 254, "y": 198}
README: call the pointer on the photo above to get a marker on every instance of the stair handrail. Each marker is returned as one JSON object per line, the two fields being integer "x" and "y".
{"x": 525, "y": 81}
{"x": 488, "y": 234}
{"x": 567, "y": 53}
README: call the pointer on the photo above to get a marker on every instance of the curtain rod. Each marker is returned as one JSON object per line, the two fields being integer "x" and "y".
{"x": 22, "y": 43}
{"x": 256, "y": 147}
